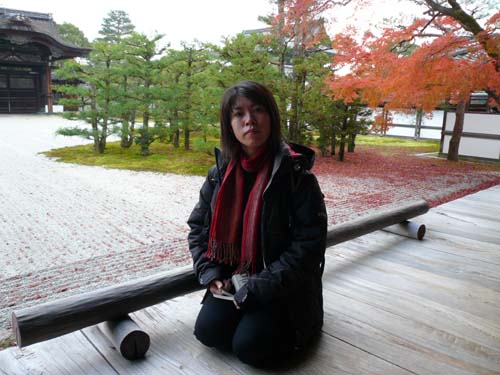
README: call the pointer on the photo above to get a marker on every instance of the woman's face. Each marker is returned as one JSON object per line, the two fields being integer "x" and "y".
{"x": 251, "y": 125}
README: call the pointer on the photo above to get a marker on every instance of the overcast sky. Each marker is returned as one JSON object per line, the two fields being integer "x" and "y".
{"x": 185, "y": 20}
{"x": 205, "y": 20}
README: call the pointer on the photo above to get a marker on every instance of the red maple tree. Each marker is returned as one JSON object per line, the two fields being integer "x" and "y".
{"x": 419, "y": 67}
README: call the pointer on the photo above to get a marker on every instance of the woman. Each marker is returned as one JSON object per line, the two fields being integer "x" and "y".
{"x": 260, "y": 212}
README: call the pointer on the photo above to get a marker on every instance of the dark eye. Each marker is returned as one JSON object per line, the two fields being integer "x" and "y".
{"x": 237, "y": 114}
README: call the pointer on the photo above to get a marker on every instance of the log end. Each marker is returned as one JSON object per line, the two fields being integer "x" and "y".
{"x": 135, "y": 345}
{"x": 421, "y": 232}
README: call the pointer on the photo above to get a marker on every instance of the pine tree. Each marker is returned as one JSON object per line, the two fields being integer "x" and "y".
{"x": 246, "y": 57}
{"x": 145, "y": 69}
{"x": 116, "y": 26}
{"x": 189, "y": 92}
{"x": 96, "y": 98}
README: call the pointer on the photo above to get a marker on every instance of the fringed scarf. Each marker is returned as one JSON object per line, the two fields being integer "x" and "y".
{"x": 234, "y": 232}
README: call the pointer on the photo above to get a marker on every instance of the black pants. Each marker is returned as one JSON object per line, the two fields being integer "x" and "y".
{"x": 258, "y": 337}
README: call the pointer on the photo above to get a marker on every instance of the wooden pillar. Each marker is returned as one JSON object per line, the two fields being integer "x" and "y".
{"x": 48, "y": 80}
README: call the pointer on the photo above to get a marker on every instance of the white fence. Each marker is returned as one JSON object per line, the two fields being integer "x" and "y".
{"x": 404, "y": 125}
{"x": 480, "y": 136}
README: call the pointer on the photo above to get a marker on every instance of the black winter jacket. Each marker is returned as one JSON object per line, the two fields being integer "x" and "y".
{"x": 293, "y": 235}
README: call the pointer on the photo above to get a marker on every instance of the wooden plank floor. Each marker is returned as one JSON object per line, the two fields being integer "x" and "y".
{"x": 392, "y": 306}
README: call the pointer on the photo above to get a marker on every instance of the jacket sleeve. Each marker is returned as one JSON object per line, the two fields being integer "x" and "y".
{"x": 199, "y": 223}
{"x": 304, "y": 255}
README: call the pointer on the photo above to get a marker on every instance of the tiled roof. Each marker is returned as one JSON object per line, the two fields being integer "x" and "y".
{"x": 37, "y": 27}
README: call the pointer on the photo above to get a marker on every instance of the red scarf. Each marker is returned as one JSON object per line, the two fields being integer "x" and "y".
{"x": 234, "y": 232}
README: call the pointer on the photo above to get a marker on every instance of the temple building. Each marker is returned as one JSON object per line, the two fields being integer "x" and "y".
{"x": 29, "y": 46}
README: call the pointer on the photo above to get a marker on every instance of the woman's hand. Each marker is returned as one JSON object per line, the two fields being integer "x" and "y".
{"x": 217, "y": 286}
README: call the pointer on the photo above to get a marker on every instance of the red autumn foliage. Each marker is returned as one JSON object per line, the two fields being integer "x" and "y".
{"x": 380, "y": 74}
{"x": 372, "y": 178}
{"x": 297, "y": 21}
{"x": 443, "y": 58}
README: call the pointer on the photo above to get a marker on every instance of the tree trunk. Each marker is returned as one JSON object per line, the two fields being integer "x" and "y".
{"x": 177, "y": 135}
{"x": 145, "y": 133}
{"x": 282, "y": 99}
{"x": 351, "y": 145}
{"x": 104, "y": 135}
{"x": 300, "y": 105}
{"x": 99, "y": 140}
{"x": 282, "y": 103}
{"x": 186, "y": 138}
{"x": 333, "y": 143}
{"x": 386, "y": 118}
{"x": 340, "y": 156}
{"x": 189, "y": 90}
{"x": 101, "y": 146}
{"x": 94, "y": 122}
{"x": 299, "y": 80}
{"x": 457, "y": 131}
{"x": 293, "y": 131}
{"x": 96, "y": 144}
{"x": 127, "y": 142}
{"x": 418, "y": 124}
{"x": 145, "y": 149}
{"x": 126, "y": 138}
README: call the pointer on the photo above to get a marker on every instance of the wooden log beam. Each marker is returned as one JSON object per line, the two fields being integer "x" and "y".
{"x": 367, "y": 224}
{"x": 56, "y": 318}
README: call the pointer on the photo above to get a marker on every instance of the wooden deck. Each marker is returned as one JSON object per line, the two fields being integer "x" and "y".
{"x": 392, "y": 306}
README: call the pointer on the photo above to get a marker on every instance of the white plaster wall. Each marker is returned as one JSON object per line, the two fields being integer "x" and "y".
{"x": 476, "y": 123}
{"x": 430, "y": 133}
{"x": 477, "y": 147}
{"x": 433, "y": 119}
{"x": 483, "y": 123}
{"x": 403, "y": 118}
